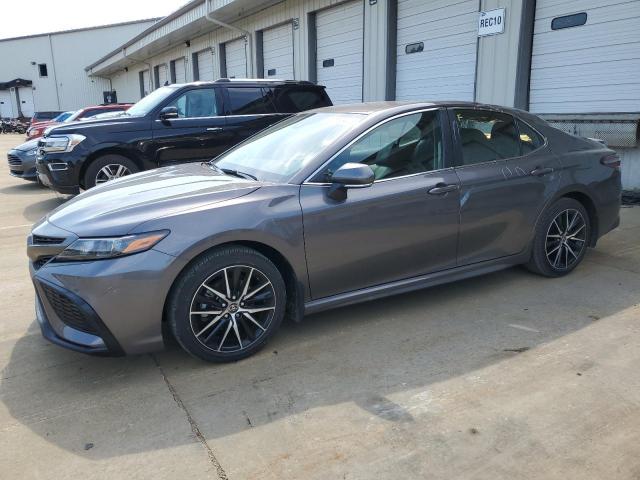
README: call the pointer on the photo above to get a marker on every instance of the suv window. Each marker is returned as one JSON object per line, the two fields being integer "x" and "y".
{"x": 403, "y": 146}
{"x": 486, "y": 136}
{"x": 530, "y": 140}
{"x": 249, "y": 101}
{"x": 299, "y": 99}
{"x": 196, "y": 103}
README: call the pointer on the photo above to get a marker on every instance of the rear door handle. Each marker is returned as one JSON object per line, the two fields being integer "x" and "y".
{"x": 441, "y": 189}
{"x": 213, "y": 129}
{"x": 538, "y": 172}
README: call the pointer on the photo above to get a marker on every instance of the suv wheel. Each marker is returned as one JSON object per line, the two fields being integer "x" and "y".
{"x": 561, "y": 239}
{"x": 226, "y": 305}
{"x": 108, "y": 167}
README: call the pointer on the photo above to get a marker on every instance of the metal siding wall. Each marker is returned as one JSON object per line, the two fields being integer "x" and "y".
{"x": 589, "y": 68}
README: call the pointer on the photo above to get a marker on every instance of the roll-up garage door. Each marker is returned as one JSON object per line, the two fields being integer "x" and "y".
{"x": 162, "y": 75}
{"x": 6, "y": 111}
{"x": 26, "y": 101}
{"x": 144, "y": 84}
{"x": 586, "y": 56}
{"x": 436, "y": 50}
{"x": 205, "y": 66}
{"x": 277, "y": 52}
{"x": 339, "y": 39}
{"x": 236, "y": 58}
{"x": 179, "y": 71}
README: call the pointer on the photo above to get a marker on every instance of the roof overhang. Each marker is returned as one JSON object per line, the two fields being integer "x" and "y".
{"x": 181, "y": 26}
{"x": 16, "y": 82}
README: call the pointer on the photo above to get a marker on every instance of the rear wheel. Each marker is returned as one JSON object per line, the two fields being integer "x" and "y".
{"x": 106, "y": 168}
{"x": 561, "y": 239}
{"x": 227, "y": 304}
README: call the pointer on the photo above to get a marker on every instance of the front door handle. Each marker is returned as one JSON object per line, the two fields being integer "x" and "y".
{"x": 442, "y": 188}
{"x": 213, "y": 129}
{"x": 538, "y": 172}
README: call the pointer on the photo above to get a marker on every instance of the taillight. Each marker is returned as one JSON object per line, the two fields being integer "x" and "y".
{"x": 611, "y": 161}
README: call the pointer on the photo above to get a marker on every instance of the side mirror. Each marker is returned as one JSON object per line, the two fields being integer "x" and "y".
{"x": 350, "y": 175}
{"x": 168, "y": 113}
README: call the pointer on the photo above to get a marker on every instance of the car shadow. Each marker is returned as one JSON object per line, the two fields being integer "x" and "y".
{"x": 35, "y": 211}
{"x": 361, "y": 354}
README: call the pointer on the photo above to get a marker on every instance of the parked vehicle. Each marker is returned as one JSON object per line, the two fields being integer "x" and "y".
{"x": 36, "y": 129}
{"x": 22, "y": 161}
{"x": 177, "y": 123}
{"x": 44, "y": 116}
{"x": 324, "y": 209}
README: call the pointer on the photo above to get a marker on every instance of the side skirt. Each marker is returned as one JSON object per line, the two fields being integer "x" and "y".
{"x": 415, "y": 283}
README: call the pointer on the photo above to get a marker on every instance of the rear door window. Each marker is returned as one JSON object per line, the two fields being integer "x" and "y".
{"x": 299, "y": 99}
{"x": 249, "y": 101}
{"x": 486, "y": 136}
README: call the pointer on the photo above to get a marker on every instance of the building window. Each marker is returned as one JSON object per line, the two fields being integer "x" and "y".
{"x": 42, "y": 69}
{"x": 569, "y": 21}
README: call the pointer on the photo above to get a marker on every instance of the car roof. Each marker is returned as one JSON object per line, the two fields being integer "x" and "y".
{"x": 249, "y": 82}
{"x": 395, "y": 107}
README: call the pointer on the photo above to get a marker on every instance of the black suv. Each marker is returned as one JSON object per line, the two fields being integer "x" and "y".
{"x": 177, "y": 123}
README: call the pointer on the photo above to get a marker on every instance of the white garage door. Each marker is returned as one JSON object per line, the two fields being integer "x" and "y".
{"x": 236, "y": 58}
{"x": 593, "y": 66}
{"x": 179, "y": 71}
{"x": 145, "y": 87}
{"x": 5, "y": 104}
{"x": 339, "y": 38}
{"x": 205, "y": 65}
{"x": 436, "y": 50}
{"x": 277, "y": 52}
{"x": 26, "y": 101}
{"x": 162, "y": 75}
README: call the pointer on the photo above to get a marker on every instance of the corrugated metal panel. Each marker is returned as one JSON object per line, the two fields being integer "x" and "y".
{"x": 447, "y": 33}
{"x": 590, "y": 68}
{"x": 339, "y": 39}
{"x": 236, "y": 58}
{"x": 205, "y": 65}
{"x": 277, "y": 48}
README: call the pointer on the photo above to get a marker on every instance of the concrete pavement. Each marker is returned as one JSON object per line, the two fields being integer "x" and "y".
{"x": 505, "y": 376}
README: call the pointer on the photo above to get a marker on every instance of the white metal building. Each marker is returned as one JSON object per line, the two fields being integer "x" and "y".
{"x": 50, "y": 68}
{"x": 575, "y": 62}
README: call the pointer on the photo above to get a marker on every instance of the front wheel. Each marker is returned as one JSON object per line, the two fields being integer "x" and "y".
{"x": 227, "y": 304}
{"x": 561, "y": 239}
{"x": 106, "y": 168}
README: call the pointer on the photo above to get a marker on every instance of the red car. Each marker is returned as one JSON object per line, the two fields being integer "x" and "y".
{"x": 37, "y": 129}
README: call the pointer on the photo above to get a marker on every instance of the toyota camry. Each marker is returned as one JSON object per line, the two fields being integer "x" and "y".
{"x": 326, "y": 208}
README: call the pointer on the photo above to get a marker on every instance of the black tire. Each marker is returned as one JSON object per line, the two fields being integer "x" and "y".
{"x": 549, "y": 257}
{"x": 190, "y": 294}
{"x": 97, "y": 165}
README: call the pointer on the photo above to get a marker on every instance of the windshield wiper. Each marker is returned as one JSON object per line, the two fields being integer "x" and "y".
{"x": 229, "y": 171}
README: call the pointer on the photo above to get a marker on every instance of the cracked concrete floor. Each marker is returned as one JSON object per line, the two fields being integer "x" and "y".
{"x": 505, "y": 376}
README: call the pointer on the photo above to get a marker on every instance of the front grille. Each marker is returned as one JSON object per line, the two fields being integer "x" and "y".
{"x": 40, "y": 262}
{"x": 68, "y": 311}
{"x": 42, "y": 240}
{"x": 14, "y": 161}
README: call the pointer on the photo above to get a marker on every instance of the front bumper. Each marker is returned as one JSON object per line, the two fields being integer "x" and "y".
{"x": 65, "y": 176}
{"x": 22, "y": 165}
{"x": 107, "y": 307}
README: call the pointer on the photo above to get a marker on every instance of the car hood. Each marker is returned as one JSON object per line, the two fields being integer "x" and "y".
{"x": 117, "y": 207}
{"x": 30, "y": 145}
{"x": 124, "y": 121}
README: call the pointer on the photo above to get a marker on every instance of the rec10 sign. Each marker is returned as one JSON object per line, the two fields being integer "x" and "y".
{"x": 491, "y": 22}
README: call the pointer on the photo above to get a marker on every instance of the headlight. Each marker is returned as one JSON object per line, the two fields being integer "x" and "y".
{"x": 61, "y": 143}
{"x": 101, "y": 248}
{"x": 29, "y": 153}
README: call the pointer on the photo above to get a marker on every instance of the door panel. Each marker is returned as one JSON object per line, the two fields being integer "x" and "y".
{"x": 199, "y": 135}
{"x": 390, "y": 231}
{"x": 277, "y": 52}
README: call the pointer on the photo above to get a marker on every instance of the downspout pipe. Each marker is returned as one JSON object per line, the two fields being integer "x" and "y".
{"x": 248, "y": 36}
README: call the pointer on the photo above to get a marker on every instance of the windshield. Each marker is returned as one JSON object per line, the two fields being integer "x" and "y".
{"x": 72, "y": 116}
{"x": 281, "y": 151}
{"x": 62, "y": 117}
{"x": 150, "y": 102}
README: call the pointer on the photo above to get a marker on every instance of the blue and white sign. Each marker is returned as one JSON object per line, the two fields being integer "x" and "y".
{"x": 491, "y": 22}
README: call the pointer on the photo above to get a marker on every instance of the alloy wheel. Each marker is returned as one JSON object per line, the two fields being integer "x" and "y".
{"x": 232, "y": 309}
{"x": 111, "y": 172}
{"x": 566, "y": 239}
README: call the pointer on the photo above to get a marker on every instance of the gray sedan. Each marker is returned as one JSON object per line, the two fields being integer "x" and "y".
{"x": 324, "y": 209}
{"x": 22, "y": 161}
